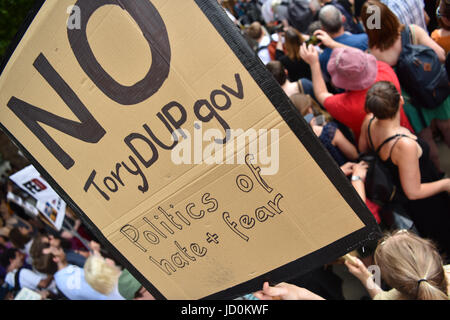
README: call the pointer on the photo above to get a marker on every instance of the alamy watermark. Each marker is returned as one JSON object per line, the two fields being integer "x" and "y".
{"x": 208, "y": 147}
{"x": 374, "y": 17}
{"x": 74, "y": 21}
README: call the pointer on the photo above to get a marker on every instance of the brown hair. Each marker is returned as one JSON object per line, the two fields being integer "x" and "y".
{"x": 18, "y": 239}
{"x": 44, "y": 263}
{"x": 293, "y": 41}
{"x": 38, "y": 245}
{"x": 444, "y": 9}
{"x": 277, "y": 70}
{"x": 304, "y": 101}
{"x": 255, "y": 30}
{"x": 412, "y": 265}
{"x": 390, "y": 29}
{"x": 383, "y": 100}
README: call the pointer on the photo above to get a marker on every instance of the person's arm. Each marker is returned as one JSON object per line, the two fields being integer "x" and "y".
{"x": 285, "y": 291}
{"x": 345, "y": 146}
{"x": 427, "y": 17}
{"x": 327, "y": 41}
{"x": 359, "y": 270}
{"x": 424, "y": 39}
{"x": 95, "y": 247}
{"x": 311, "y": 56}
{"x": 44, "y": 283}
{"x": 405, "y": 156}
{"x": 347, "y": 168}
{"x": 363, "y": 144}
{"x": 360, "y": 170}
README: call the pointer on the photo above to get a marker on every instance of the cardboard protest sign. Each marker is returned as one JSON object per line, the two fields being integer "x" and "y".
{"x": 48, "y": 202}
{"x": 27, "y": 206}
{"x": 159, "y": 126}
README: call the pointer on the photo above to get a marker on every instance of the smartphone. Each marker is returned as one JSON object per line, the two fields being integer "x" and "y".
{"x": 320, "y": 120}
{"x": 313, "y": 40}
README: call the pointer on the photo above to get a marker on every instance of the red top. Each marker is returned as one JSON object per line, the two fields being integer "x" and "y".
{"x": 348, "y": 107}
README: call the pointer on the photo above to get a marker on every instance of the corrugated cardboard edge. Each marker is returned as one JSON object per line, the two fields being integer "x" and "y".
{"x": 228, "y": 31}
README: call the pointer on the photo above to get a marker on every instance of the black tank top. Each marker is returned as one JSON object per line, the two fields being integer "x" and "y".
{"x": 431, "y": 215}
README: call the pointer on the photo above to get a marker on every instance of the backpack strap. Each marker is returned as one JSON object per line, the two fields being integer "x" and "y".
{"x": 16, "y": 280}
{"x": 265, "y": 47}
{"x": 368, "y": 132}
{"x": 300, "y": 87}
{"x": 413, "y": 35}
{"x": 395, "y": 143}
{"x": 261, "y": 48}
{"x": 386, "y": 141}
{"x": 377, "y": 151}
{"x": 60, "y": 295}
{"x": 406, "y": 36}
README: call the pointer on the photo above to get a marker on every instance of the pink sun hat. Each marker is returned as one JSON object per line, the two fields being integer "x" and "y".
{"x": 352, "y": 69}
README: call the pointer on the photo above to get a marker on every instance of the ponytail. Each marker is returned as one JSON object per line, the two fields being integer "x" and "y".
{"x": 427, "y": 291}
{"x": 413, "y": 266}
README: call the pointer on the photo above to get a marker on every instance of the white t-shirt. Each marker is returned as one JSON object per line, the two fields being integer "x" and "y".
{"x": 71, "y": 282}
{"x": 27, "y": 279}
{"x": 264, "y": 54}
{"x": 26, "y": 250}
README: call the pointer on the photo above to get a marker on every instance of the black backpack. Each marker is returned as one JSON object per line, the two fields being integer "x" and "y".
{"x": 17, "y": 285}
{"x": 380, "y": 186}
{"x": 252, "y": 13}
{"x": 300, "y": 15}
{"x": 422, "y": 74}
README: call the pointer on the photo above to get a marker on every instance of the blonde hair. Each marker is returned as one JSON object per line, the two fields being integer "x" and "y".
{"x": 413, "y": 266}
{"x": 100, "y": 275}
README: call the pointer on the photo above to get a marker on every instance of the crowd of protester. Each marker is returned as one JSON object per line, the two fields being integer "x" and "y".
{"x": 342, "y": 75}
{"x": 345, "y": 69}
{"x": 68, "y": 264}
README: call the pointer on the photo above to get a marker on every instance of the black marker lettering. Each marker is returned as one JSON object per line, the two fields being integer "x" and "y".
{"x": 193, "y": 215}
{"x": 178, "y": 260}
{"x": 151, "y": 237}
{"x": 233, "y": 226}
{"x": 262, "y": 213}
{"x": 211, "y": 113}
{"x": 116, "y": 174}
{"x": 128, "y": 141}
{"x": 113, "y": 188}
{"x": 154, "y": 31}
{"x": 197, "y": 251}
{"x": 207, "y": 200}
{"x": 213, "y": 98}
{"x": 183, "y": 115}
{"x": 134, "y": 237}
{"x": 170, "y": 218}
{"x": 154, "y": 227}
{"x": 138, "y": 171}
{"x": 167, "y": 266}
{"x": 256, "y": 172}
{"x": 275, "y": 204}
{"x": 90, "y": 181}
{"x": 88, "y": 130}
{"x": 240, "y": 89}
{"x": 184, "y": 251}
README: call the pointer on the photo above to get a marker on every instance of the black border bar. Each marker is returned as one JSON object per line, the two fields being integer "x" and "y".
{"x": 301, "y": 129}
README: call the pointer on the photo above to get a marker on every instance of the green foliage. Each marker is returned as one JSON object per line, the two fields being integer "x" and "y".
{"x": 12, "y": 15}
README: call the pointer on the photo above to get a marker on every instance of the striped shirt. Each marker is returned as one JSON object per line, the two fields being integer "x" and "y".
{"x": 408, "y": 11}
